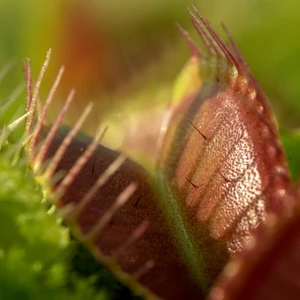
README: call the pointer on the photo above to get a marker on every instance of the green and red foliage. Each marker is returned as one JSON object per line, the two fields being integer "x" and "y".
{"x": 220, "y": 201}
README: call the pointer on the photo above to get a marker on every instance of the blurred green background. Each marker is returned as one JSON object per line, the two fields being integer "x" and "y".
{"x": 116, "y": 50}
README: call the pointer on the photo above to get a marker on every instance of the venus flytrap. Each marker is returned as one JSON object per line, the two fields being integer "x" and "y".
{"x": 221, "y": 179}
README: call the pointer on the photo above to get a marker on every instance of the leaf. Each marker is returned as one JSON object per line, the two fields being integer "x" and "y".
{"x": 222, "y": 160}
{"x": 109, "y": 201}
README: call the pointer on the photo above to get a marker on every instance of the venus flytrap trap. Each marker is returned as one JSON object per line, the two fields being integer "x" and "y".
{"x": 220, "y": 188}
{"x": 82, "y": 160}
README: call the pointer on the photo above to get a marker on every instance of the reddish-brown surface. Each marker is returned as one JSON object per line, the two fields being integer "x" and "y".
{"x": 156, "y": 244}
{"x": 270, "y": 269}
